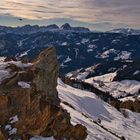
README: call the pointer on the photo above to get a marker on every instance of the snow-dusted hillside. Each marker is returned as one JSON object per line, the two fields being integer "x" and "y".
{"x": 117, "y": 89}
{"x": 105, "y": 78}
{"x": 86, "y": 107}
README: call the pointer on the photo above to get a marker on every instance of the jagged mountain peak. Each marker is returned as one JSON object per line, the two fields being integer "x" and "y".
{"x": 66, "y": 26}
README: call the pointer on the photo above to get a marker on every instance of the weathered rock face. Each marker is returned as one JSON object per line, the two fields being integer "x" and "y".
{"x": 29, "y": 103}
{"x": 46, "y": 67}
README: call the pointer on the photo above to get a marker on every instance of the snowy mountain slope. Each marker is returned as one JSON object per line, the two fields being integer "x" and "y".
{"x": 125, "y": 70}
{"x": 126, "y": 89}
{"x": 118, "y": 89}
{"x": 106, "y": 77}
{"x": 85, "y": 108}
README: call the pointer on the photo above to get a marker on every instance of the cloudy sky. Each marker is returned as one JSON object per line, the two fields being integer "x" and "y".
{"x": 95, "y": 14}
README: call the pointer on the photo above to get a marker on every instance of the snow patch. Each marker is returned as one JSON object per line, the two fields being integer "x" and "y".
{"x": 84, "y": 40}
{"x": 14, "y": 119}
{"x": 24, "y": 53}
{"x": 124, "y": 55}
{"x": 117, "y": 88}
{"x": 23, "y": 84}
{"x": 108, "y": 52}
{"x": 68, "y": 59}
{"x": 104, "y": 78}
{"x": 64, "y": 44}
{"x": 136, "y": 72}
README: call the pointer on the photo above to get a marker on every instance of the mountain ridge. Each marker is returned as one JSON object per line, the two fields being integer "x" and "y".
{"x": 31, "y": 29}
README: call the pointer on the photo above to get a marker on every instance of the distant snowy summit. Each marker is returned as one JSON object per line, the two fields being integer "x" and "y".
{"x": 127, "y": 31}
{"x": 30, "y": 29}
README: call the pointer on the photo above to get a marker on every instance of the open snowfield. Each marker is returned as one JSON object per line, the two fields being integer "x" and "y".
{"x": 115, "y": 88}
{"x": 90, "y": 105}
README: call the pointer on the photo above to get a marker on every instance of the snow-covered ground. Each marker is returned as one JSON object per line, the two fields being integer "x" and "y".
{"x": 119, "y": 55}
{"x": 108, "y": 52}
{"x": 81, "y": 74}
{"x": 5, "y": 73}
{"x": 25, "y": 53}
{"x": 23, "y": 84}
{"x": 106, "y": 77}
{"x": 89, "y": 108}
{"x": 115, "y": 88}
{"x": 68, "y": 59}
{"x": 124, "y": 55}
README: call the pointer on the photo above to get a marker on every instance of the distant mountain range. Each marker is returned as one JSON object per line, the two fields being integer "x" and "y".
{"x": 28, "y": 29}
{"x": 76, "y": 47}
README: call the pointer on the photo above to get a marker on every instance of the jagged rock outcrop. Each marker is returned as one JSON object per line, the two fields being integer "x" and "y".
{"x": 46, "y": 73}
{"x": 66, "y": 26}
{"x": 29, "y": 103}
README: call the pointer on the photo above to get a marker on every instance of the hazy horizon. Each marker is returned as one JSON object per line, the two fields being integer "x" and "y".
{"x": 101, "y": 15}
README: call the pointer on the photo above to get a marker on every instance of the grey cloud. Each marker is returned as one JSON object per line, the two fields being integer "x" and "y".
{"x": 115, "y": 11}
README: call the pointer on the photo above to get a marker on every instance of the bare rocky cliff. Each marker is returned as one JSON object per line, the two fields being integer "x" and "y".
{"x": 29, "y": 103}
{"x": 46, "y": 73}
